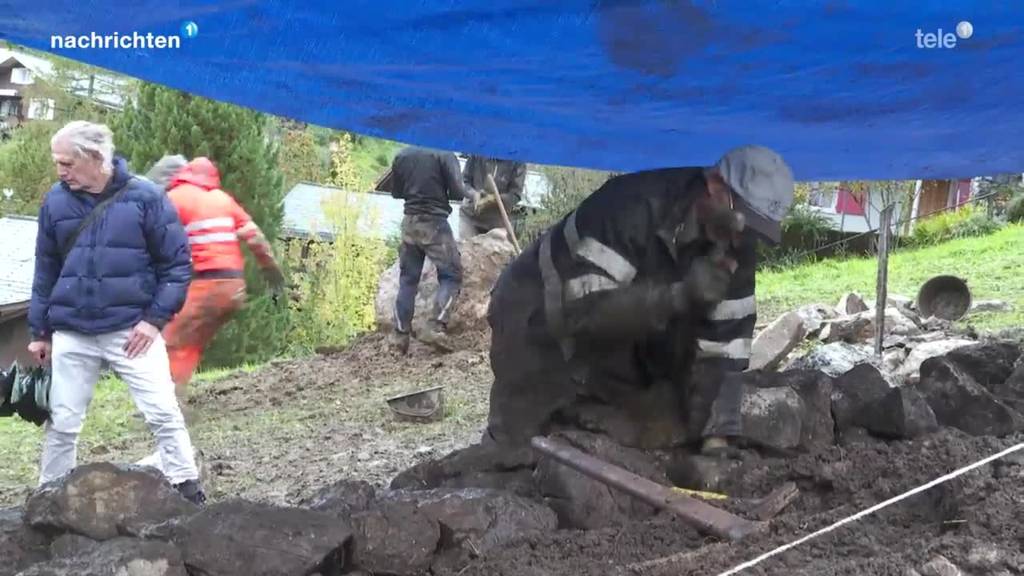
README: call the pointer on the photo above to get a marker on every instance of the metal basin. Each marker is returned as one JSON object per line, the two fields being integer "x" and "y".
{"x": 423, "y": 406}
{"x": 945, "y": 297}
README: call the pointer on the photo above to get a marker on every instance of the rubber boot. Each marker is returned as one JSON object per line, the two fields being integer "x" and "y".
{"x": 719, "y": 447}
{"x": 436, "y": 335}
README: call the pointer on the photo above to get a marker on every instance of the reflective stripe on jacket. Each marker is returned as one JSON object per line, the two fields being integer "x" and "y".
{"x": 625, "y": 232}
{"x": 212, "y": 218}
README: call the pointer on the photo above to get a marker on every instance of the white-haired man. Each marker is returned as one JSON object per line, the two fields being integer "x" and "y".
{"x": 112, "y": 267}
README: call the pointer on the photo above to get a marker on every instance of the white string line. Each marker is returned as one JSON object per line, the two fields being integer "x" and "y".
{"x": 871, "y": 510}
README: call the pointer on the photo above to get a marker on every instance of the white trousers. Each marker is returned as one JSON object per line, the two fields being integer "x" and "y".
{"x": 76, "y": 368}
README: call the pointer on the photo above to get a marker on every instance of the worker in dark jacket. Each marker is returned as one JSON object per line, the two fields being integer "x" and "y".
{"x": 651, "y": 274}
{"x": 484, "y": 215}
{"x": 427, "y": 180}
{"x": 112, "y": 268}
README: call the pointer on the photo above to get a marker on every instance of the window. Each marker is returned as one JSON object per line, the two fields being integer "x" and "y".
{"x": 822, "y": 197}
{"x": 41, "y": 109}
{"x": 7, "y": 108}
{"x": 21, "y": 76}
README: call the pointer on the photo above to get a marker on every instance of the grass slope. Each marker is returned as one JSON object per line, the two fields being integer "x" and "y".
{"x": 372, "y": 157}
{"x": 993, "y": 267}
{"x": 110, "y": 425}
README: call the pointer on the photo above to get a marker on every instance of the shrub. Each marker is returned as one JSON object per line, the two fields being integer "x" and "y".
{"x": 1015, "y": 210}
{"x": 569, "y": 186}
{"x": 968, "y": 221}
{"x": 26, "y": 168}
{"x": 336, "y": 282}
{"x": 803, "y": 230}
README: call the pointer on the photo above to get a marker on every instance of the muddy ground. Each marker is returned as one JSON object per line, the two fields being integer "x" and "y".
{"x": 281, "y": 433}
{"x": 319, "y": 420}
{"x": 973, "y": 521}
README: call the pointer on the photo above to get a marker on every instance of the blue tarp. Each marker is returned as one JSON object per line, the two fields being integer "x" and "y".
{"x": 840, "y": 87}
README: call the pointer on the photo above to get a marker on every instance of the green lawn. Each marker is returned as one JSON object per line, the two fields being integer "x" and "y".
{"x": 993, "y": 267}
{"x": 110, "y": 425}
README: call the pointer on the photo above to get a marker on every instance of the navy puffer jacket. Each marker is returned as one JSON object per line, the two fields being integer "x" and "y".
{"x": 132, "y": 263}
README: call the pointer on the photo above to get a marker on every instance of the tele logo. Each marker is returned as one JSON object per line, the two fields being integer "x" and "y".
{"x": 940, "y": 39}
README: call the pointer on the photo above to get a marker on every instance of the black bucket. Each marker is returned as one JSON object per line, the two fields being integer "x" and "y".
{"x": 945, "y": 297}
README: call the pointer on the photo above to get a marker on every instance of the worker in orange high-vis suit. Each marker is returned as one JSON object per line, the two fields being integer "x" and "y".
{"x": 217, "y": 226}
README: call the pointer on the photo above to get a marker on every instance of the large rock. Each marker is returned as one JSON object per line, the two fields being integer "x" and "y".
{"x": 104, "y": 500}
{"x": 991, "y": 306}
{"x": 237, "y": 538}
{"x": 20, "y": 545}
{"x": 117, "y": 557}
{"x": 988, "y": 364}
{"x": 862, "y": 327}
{"x": 344, "y": 498}
{"x": 851, "y": 303}
{"x": 833, "y": 359}
{"x": 903, "y": 413}
{"x": 775, "y": 342}
{"x": 476, "y": 466}
{"x": 940, "y": 566}
{"x": 394, "y": 537}
{"x": 815, "y": 316}
{"x": 817, "y": 426}
{"x": 959, "y": 401}
{"x": 72, "y": 546}
{"x": 771, "y": 416}
{"x": 584, "y": 503}
{"x": 1012, "y": 390}
{"x": 475, "y": 522}
{"x": 854, "y": 392}
{"x": 483, "y": 259}
{"x": 910, "y": 372}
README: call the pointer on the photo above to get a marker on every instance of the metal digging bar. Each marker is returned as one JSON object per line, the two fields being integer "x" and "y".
{"x": 700, "y": 515}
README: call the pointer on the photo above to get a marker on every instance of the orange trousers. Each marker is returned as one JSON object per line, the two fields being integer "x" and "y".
{"x": 209, "y": 305}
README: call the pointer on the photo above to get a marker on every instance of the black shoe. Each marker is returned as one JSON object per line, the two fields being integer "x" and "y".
{"x": 192, "y": 492}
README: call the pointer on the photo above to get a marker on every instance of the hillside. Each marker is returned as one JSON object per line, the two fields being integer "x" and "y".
{"x": 992, "y": 266}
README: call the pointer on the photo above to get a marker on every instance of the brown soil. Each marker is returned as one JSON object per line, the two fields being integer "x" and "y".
{"x": 958, "y": 519}
{"x": 281, "y": 433}
{"x": 294, "y": 426}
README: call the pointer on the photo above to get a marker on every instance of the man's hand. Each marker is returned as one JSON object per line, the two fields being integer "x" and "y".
{"x": 472, "y": 199}
{"x": 140, "y": 339}
{"x": 40, "y": 350}
{"x": 709, "y": 278}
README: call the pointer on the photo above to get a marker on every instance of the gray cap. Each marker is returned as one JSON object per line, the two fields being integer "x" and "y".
{"x": 764, "y": 183}
{"x": 165, "y": 168}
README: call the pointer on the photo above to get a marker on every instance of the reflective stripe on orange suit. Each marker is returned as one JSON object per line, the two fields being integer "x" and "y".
{"x": 212, "y": 219}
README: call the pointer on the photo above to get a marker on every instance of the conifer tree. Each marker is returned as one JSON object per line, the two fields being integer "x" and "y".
{"x": 167, "y": 121}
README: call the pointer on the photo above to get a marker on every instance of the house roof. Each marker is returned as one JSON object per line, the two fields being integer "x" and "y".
{"x": 17, "y": 259}
{"x": 380, "y": 216}
{"x": 104, "y": 89}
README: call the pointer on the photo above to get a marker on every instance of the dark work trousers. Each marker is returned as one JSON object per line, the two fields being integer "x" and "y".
{"x": 532, "y": 380}
{"x": 431, "y": 237}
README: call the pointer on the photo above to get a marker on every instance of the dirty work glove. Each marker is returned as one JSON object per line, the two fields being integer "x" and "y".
{"x": 708, "y": 280}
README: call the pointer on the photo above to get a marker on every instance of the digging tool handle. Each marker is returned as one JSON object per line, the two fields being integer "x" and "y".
{"x": 701, "y": 515}
{"x": 493, "y": 188}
